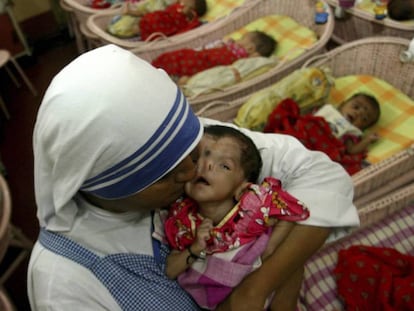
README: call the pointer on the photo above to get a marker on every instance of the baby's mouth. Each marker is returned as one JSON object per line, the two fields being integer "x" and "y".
{"x": 350, "y": 118}
{"x": 201, "y": 180}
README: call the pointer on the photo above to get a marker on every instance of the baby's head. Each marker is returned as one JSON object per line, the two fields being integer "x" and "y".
{"x": 361, "y": 110}
{"x": 258, "y": 43}
{"x": 227, "y": 161}
{"x": 250, "y": 159}
{"x": 401, "y": 10}
{"x": 198, "y": 6}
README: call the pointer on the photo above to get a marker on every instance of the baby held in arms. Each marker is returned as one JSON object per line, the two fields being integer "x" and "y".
{"x": 219, "y": 231}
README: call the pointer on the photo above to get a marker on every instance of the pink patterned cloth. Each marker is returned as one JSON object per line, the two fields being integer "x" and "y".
{"x": 236, "y": 245}
{"x": 245, "y": 222}
{"x": 237, "y": 49}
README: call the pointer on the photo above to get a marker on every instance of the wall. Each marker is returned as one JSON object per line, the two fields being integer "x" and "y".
{"x": 24, "y": 9}
{"x": 36, "y": 20}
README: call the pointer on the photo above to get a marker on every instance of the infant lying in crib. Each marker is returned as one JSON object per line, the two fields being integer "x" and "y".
{"x": 151, "y": 21}
{"x": 218, "y": 64}
{"x": 184, "y": 63}
{"x": 338, "y": 132}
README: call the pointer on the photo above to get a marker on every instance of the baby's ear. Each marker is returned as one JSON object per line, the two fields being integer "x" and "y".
{"x": 240, "y": 190}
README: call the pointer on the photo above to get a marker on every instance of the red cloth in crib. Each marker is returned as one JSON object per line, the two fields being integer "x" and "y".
{"x": 313, "y": 131}
{"x": 375, "y": 278}
{"x": 100, "y": 4}
{"x": 187, "y": 62}
{"x": 168, "y": 22}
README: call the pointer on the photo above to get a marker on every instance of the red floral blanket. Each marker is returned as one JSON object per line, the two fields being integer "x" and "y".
{"x": 375, "y": 278}
{"x": 314, "y": 132}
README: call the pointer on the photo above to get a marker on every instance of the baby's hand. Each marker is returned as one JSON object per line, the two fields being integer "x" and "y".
{"x": 183, "y": 80}
{"x": 203, "y": 233}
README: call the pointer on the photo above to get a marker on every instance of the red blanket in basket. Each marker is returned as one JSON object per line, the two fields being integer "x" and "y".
{"x": 314, "y": 132}
{"x": 375, "y": 278}
{"x": 169, "y": 22}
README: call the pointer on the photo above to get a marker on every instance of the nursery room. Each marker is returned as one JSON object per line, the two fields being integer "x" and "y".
{"x": 316, "y": 129}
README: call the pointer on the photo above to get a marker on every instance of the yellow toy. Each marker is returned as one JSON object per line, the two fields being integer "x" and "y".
{"x": 380, "y": 9}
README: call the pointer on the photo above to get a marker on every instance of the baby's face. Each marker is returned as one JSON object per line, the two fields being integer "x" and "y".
{"x": 188, "y": 4}
{"x": 219, "y": 171}
{"x": 359, "y": 112}
{"x": 246, "y": 41}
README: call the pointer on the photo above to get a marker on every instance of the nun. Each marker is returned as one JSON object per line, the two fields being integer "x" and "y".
{"x": 113, "y": 142}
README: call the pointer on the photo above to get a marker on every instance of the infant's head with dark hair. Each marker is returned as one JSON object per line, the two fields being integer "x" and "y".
{"x": 401, "y": 10}
{"x": 258, "y": 43}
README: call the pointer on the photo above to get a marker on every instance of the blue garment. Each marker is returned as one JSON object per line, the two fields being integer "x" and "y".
{"x": 125, "y": 275}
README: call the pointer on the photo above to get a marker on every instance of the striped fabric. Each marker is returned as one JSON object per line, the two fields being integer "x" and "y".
{"x": 151, "y": 160}
{"x": 397, "y": 113}
{"x": 318, "y": 292}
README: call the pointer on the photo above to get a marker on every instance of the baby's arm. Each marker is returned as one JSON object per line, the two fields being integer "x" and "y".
{"x": 354, "y": 148}
{"x": 178, "y": 261}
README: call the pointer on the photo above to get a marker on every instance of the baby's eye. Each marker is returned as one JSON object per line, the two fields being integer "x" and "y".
{"x": 195, "y": 156}
{"x": 225, "y": 166}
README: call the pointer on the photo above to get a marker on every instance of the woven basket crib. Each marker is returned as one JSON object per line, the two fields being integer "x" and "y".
{"x": 81, "y": 10}
{"x": 149, "y": 49}
{"x": 305, "y": 17}
{"x": 360, "y": 24}
{"x": 386, "y": 223}
{"x": 385, "y": 205}
{"x": 378, "y": 57}
{"x": 249, "y": 11}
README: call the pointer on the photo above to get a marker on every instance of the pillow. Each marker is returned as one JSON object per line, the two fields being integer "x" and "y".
{"x": 396, "y": 124}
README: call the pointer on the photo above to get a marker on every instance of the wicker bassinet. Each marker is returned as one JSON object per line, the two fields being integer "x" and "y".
{"x": 85, "y": 39}
{"x": 249, "y": 11}
{"x": 359, "y": 24}
{"x": 385, "y": 222}
{"x": 379, "y": 57}
{"x": 98, "y": 24}
{"x": 82, "y": 9}
{"x": 375, "y": 210}
{"x": 305, "y": 16}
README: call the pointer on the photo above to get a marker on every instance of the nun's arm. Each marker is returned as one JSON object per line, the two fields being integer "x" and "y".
{"x": 321, "y": 184}
{"x": 291, "y": 255}
{"x": 327, "y": 190}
